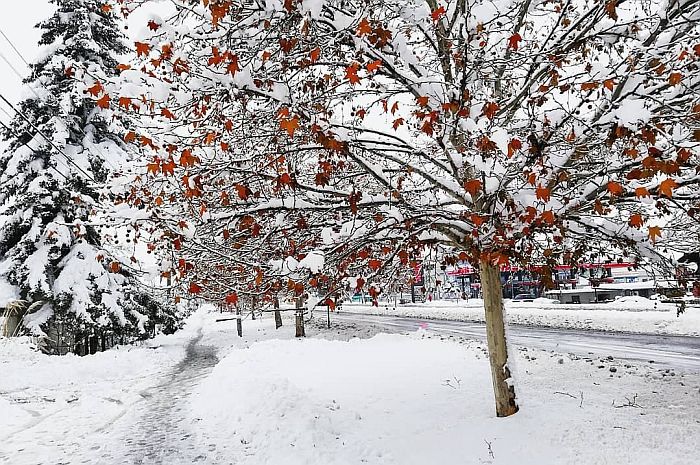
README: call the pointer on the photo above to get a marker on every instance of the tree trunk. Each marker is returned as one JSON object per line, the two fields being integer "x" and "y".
{"x": 239, "y": 322}
{"x": 503, "y": 388}
{"x": 278, "y": 315}
{"x": 299, "y": 317}
{"x": 252, "y": 306}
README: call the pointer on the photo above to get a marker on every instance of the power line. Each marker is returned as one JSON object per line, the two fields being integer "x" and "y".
{"x": 24, "y": 117}
{"x": 31, "y": 148}
{"x": 37, "y": 95}
{"x": 13, "y": 46}
{"x": 4, "y": 58}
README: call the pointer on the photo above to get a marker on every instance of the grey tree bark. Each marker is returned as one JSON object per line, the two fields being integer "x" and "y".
{"x": 299, "y": 317}
{"x": 503, "y": 388}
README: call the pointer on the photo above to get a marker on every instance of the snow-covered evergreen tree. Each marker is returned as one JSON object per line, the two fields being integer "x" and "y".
{"x": 62, "y": 147}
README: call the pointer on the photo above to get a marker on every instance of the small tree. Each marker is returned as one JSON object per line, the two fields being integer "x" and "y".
{"x": 61, "y": 151}
{"x": 532, "y": 132}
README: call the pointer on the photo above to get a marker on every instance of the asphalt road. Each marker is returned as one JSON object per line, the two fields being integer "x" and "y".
{"x": 677, "y": 352}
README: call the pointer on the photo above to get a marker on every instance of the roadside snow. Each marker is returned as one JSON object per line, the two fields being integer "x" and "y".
{"x": 408, "y": 400}
{"x": 630, "y": 315}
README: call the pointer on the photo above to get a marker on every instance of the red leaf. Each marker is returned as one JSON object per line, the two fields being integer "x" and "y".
{"x": 514, "y": 40}
{"x": 233, "y": 65}
{"x": 490, "y": 109}
{"x": 96, "y": 89}
{"x": 194, "y": 288}
{"x": 232, "y": 298}
{"x": 351, "y": 74}
{"x": 472, "y": 186}
{"x": 438, "y": 13}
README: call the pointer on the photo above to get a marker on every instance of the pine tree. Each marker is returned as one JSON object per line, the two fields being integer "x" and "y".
{"x": 62, "y": 146}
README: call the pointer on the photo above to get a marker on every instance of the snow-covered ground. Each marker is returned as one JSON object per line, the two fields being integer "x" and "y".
{"x": 206, "y": 396}
{"x": 637, "y": 315}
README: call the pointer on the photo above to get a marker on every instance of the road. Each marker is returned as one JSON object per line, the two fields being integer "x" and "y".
{"x": 677, "y": 352}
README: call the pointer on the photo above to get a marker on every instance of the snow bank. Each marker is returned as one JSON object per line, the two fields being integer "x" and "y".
{"x": 629, "y": 314}
{"x": 407, "y": 400}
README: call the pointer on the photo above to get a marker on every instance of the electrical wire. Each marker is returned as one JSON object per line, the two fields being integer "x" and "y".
{"x": 37, "y": 95}
{"x": 25, "y": 118}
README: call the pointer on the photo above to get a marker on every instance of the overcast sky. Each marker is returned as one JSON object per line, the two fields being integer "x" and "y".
{"x": 17, "y": 22}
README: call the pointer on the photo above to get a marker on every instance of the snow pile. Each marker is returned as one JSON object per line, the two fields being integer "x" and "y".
{"x": 408, "y": 400}
{"x": 620, "y": 315}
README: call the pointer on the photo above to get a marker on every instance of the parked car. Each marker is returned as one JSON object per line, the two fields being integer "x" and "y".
{"x": 524, "y": 298}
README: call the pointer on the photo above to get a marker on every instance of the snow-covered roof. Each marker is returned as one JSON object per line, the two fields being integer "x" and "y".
{"x": 633, "y": 285}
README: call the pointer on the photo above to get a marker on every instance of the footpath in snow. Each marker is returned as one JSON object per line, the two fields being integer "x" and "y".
{"x": 342, "y": 396}
{"x": 634, "y": 315}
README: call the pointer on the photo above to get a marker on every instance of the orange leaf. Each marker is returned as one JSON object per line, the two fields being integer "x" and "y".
{"x": 666, "y": 187}
{"x": 122, "y": 67}
{"x": 364, "y": 27}
{"x": 542, "y": 193}
{"x": 398, "y": 122}
{"x": 610, "y": 9}
{"x": 374, "y": 264}
{"x": 490, "y": 109}
{"x": 114, "y": 267}
{"x": 103, "y": 102}
{"x": 168, "y": 167}
{"x": 472, "y": 186}
{"x": 477, "y": 220}
{"x": 125, "y": 102}
{"x": 187, "y": 159}
{"x": 167, "y": 113}
{"x": 130, "y": 136}
{"x": 96, "y": 89}
{"x": 548, "y": 216}
{"x": 654, "y": 232}
{"x": 615, "y": 188}
{"x": 513, "y": 146}
{"x": 422, "y": 101}
{"x": 609, "y": 84}
{"x": 372, "y": 66}
{"x": 636, "y": 220}
{"x": 142, "y": 49}
{"x": 351, "y": 74}
{"x": 106, "y": 8}
{"x": 195, "y": 288}
{"x": 315, "y": 54}
{"x": 242, "y": 191}
{"x": 589, "y": 86}
{"x": 233, "y": 65}
{"x": 290, "y": 125}
{"x": 675, "y": 78}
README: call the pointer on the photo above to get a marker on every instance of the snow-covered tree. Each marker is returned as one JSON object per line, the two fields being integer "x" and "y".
{"x": 364, "y": 132}
{"x": 61, "y": 150}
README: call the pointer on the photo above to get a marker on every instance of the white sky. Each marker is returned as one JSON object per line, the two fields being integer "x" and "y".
{"x": 17, "y": 22}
